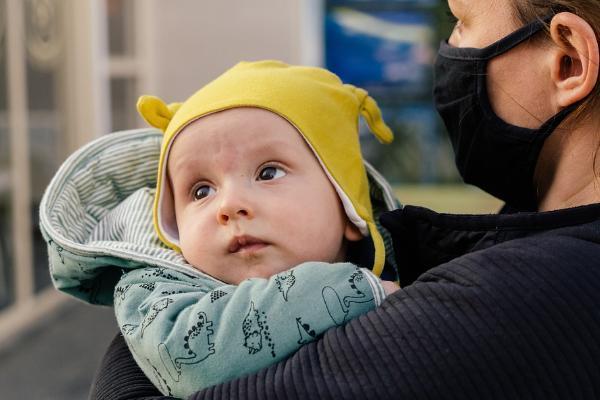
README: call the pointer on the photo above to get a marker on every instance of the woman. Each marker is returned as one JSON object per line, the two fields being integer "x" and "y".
{"x": 494, "y": 306}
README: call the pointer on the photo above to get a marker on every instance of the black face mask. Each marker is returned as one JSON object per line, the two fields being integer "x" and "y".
{"x": 491, "y": 154}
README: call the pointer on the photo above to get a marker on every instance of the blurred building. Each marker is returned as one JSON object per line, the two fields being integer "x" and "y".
{"x": 71, "y": 71}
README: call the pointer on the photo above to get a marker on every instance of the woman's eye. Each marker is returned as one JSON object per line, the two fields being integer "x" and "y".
{"x": 269, "y": 173}
{"x": 202, "y": 191}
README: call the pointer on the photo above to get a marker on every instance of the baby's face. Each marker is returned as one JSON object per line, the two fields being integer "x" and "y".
{"x": 251, "y": 199}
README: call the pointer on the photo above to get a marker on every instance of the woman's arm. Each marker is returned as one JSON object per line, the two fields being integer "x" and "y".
{"x": 120, "y": 378}
{"x": 518, "y": 321}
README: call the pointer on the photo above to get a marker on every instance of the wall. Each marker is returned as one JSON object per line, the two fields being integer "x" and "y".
{"x": 194, "y": 41}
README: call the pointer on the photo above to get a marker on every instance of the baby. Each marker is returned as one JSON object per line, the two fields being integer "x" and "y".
{"x": 260, "y": 176}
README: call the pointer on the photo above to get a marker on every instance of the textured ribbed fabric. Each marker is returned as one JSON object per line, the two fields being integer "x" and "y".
{"x": 503, "y": 307}
{"x": 125, "y": 381}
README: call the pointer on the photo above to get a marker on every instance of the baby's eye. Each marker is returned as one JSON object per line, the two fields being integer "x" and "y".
{"x": 202, "y": 191}
{"x": 269, "y": 173}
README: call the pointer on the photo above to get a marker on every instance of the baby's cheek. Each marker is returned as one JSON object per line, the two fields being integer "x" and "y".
{"x": 203, "y": 262}
{"x": 321, "y": 246}
{"x": 193, "y": 251}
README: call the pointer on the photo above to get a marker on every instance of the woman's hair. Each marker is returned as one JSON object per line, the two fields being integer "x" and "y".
{"x": 529, "y": 10}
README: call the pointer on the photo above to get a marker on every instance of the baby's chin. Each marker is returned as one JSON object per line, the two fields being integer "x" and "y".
{"x": 234, "y": 275}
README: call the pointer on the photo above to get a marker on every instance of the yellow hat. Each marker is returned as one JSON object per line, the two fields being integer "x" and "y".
{"x": 315, "y": 101}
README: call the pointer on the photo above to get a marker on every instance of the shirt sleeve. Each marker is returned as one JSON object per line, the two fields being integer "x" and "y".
{"x": 186, "y": 338}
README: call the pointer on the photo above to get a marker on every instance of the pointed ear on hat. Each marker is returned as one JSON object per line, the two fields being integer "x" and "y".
{"x": 372, "y": 114}
{"x": 155, "y": 112}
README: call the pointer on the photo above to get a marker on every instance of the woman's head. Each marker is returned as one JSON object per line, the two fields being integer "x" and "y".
{"x": 589, "y": 10}
{"x": 527, "y": 10}
{"x": 521, "y": 79}
{"x": 515, "y": 73}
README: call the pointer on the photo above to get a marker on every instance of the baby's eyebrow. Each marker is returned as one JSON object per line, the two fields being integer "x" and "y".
{"x": 180, "y": 167}
{"x": 267, "y": 145}
{"x": 179, "y": 162}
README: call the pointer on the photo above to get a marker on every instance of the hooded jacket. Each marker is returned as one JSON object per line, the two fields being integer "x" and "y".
{"x": 187, "y": 329}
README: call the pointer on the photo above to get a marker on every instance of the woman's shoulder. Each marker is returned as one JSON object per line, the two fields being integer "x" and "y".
{"x": 425, "y": 241}
{"x": 562, "y": 263}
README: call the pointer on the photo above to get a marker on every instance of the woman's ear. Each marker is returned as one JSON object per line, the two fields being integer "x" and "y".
{"x": 575, "y": 58}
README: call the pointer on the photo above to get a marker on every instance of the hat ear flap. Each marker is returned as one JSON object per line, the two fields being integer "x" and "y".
{"x": 173, "y": 107}
{"x": 372, "y": 114}
{"x": 155, "y": 112}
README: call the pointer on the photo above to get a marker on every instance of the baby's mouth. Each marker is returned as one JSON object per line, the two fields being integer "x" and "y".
{"x": 246, "y": 244}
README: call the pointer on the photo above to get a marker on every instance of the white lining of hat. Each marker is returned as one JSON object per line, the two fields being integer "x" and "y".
{"x": 172, "y": 235}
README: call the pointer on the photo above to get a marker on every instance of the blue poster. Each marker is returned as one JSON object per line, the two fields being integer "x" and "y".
{"x": 380, "y": 48}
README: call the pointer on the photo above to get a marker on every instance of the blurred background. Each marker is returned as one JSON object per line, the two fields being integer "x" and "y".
{"x": 71, "y": 71}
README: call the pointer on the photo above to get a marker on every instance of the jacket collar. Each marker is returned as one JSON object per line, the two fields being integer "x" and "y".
{"x": 423, "y": 238}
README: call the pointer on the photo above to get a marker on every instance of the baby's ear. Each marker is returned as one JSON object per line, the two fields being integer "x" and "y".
{"x": 155, "y": 112}
{"x": 352, "y": 233}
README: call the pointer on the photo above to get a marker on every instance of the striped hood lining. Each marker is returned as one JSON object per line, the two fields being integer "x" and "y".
{"x": 85, "y": 251}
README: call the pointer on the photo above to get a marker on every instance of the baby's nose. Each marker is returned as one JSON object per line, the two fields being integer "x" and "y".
{"x": 225, "y": 215}
{"x": 234, "y": 206}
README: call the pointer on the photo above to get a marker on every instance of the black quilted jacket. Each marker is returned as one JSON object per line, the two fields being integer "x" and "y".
{"x": 493, "y": 307}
